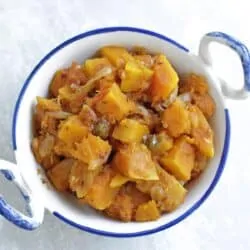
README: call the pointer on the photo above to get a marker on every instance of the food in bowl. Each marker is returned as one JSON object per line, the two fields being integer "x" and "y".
{"x": 124, "y": 133}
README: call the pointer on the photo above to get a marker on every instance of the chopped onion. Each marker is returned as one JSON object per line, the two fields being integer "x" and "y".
{"x": 85, "y": 89}
{"x": 46, "y": 145}
{"x": 59, "y": 114}
{"x": 185, "y": 97}
{"x": 164, "y": 104}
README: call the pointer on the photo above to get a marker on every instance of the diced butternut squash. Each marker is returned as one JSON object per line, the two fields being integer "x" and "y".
{"x": 126, "y": 203}
{"x": 175, "y": 192}
{"x": 118, "y": 56}
{"x": 48, "y": 104}
{"x": 176, "y": 119}
{"x": 92, "y": 66}
{"x": 136, "y": 77}
{"x": 92, "y": 150}
{"x": 72, "y": 130}
{"x": 72, "y": 100}
{"x": 81, "y": 179}
{"x": 205, "y": 103}
{"x": 58, "y": 81}
{"x": 167, "y": 191}
{"x": 199, "y": 166}
{"x": 134, "y": 161}
{"x": 121, "y": 208}
{"x": 147, "y": 212}
{"x": 201, "y": 132}
{"x": 193, "y": 83}
{"x": 130, "y": 130}
{"x": 165, "y": 80}
{"x": 100, "y": 195}
{"x": 180, "y": 159}
{"x": 119, "y": 180}
{"x": 59, "y": 174}
{"x": 114, "y": 104}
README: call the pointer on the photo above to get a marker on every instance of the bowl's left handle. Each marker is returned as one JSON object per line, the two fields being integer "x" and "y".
{"x": 33, "y": 206}
{"x": 242, "y": 52}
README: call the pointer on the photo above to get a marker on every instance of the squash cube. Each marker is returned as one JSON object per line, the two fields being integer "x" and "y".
{"x": 47, "y": 104}
{"x": 119, "y": 180}
{"x": 92, "y": 150}
{"x": 118, "y": 56}
{"x": 92, "y": 66}
{"x": 180, "y": 159}
{"x": 165, "y": 80}
{"x": 201, "y": 132}
{"x": 136, "y": 77}
{"x": 167, "y": 191}
{"x": 134, "y": 161}
{"x": 100, "y": 195}
{"x": 176, "y": 119}
{"x": 114, "y": 104}
{"x": 81, "y": 179}
{"x": 147, "y": 212}
{"x": 130, "y": 130}
{"x": 72, "y": 130}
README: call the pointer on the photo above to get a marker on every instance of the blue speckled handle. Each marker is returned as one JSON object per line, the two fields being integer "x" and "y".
{"x": 34, "y": 208}
{"x": 240, "y": 49}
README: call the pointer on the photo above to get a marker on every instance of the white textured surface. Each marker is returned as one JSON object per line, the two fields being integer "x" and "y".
{"x": 29, "y": 29}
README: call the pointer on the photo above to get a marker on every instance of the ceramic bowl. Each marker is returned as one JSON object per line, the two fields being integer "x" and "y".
{"x": 39, "y": 196}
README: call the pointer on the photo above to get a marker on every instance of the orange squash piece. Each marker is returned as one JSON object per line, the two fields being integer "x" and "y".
{"x": 175, "y": 119}
{"x": 147, "y": 212}
{"x": 201, "y": 132}
{"x": 165, "y": 79}
{"x": 134, "y": 161}
{"x": 180, "y": 159}
{"x": 100, "y": 195}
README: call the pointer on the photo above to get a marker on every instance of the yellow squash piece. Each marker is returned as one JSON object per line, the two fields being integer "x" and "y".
{"x": 136, "y": 77}
{"x": 100, "y": 195}
{"x": 47, "y": 104}
{"x": 167, "y": 191}
{"x": 72, "y": 130}
{"x": 176, "y": 119}
{"x": 147, "y": 212}
{"x": 114, "y": 104}
{"x": 180, "y": 159}
{"x": 130, "y": 130}
{"x": 92, "y": 66}
{"x": 119, "y": 180}
{"x": 92, "y": 150}
{"x": 118, "y": 56}
{"x": 201, "y": 132}
{"x": 134, "y": 161}
{"x": 165, "y": 79}
{"x": 81, "y": 178}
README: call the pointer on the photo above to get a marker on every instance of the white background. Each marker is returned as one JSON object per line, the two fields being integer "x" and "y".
{"x": 29, "y": 29}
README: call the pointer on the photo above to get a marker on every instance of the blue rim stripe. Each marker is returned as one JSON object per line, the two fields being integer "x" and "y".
{"x": 180, "y": 218}
{"x": 72, "y": 40}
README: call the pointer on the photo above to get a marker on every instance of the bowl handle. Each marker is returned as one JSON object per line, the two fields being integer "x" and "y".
{"x": 33, "y": 205}
{"x": 240, "y": 49}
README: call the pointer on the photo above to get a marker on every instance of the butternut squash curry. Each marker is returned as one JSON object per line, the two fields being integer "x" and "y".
{"x": 124, "y": 133}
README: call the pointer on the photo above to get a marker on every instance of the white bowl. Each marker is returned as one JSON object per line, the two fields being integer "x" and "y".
{"x": 25, "y": 173}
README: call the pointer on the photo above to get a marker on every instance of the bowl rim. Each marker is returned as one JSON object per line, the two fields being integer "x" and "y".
{"x": 224, "y": 154}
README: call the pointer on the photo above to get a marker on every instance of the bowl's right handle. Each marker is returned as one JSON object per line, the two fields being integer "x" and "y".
{"x": 34, "y": 207}
{"x": 240, "y": 49}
